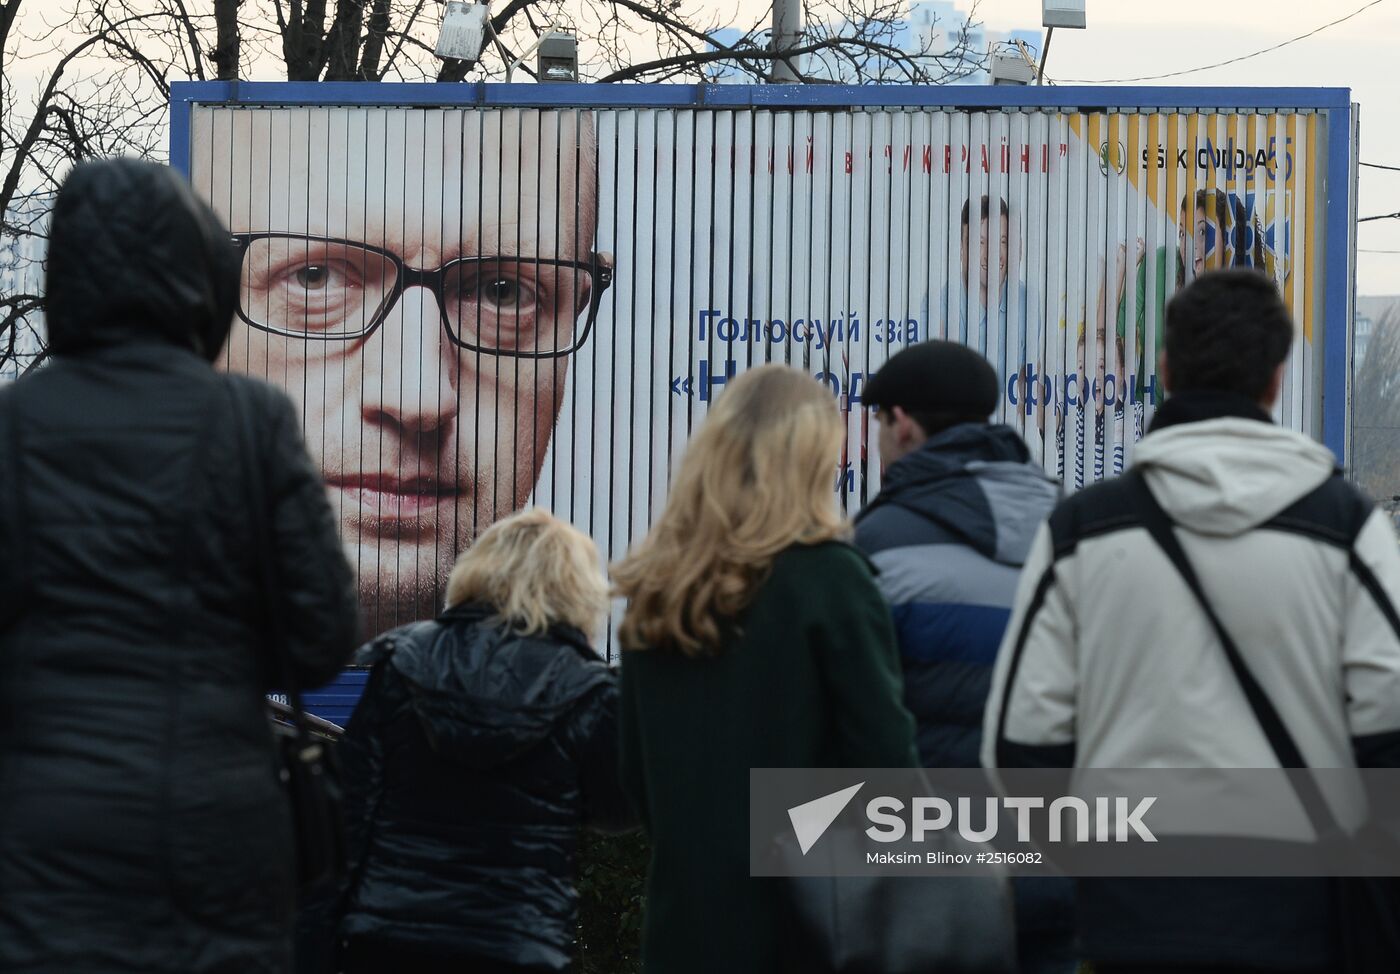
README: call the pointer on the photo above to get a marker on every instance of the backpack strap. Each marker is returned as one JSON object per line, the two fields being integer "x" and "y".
{"x": 1160, "y": 525}
{"x": 260, "y": 521}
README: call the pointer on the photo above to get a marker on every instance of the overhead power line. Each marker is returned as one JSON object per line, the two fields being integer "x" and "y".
{"x": 1383, "y": 216}
{"x": 1233, "y": 60}
{"x": 1377, "y": 165}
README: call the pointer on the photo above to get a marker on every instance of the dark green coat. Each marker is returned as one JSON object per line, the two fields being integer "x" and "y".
{"x": 813, "y": 680}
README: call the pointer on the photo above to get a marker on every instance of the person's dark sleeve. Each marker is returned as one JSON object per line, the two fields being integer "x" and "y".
{"x": 14, "y": 577}
{"x": 630, "y": 748}
{"x": 593, "y": 741}
{"x": 9, "y": 548}
{"x": 853, "y": 635}
{"x": 360, "y": 753}
{"x": 316, "y": 587}
{"x": 361, "y": 756}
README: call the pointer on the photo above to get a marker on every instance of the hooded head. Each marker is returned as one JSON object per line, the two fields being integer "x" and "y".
{"x": 134, "y": 255}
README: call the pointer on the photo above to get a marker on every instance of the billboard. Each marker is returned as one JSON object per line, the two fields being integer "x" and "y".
{"x": 484, "y": 297}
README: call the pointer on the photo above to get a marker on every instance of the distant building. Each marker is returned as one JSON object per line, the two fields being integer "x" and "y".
{"x": 22, "y": 273}
{"x": 1372, "y": 312}
{"x": 1360, "y": 339}
{"x": 934, "y": 28}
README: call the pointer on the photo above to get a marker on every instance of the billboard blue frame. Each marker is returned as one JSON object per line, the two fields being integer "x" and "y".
{"x": 1334, "y": 103}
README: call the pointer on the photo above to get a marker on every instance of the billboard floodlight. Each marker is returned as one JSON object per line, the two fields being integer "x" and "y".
{"x": 1062, "y": 13}
{"x": 463, "y": 31}
{"x": 558, "y": 57}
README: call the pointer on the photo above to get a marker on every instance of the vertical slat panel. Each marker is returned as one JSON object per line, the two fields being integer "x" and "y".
{"x": 961, "y": 251}
{"x": 1161, "y": 267}
{"x": 1079, "y": 445}
{"x": 1060, "y": 337}
{"x": 1041, "y": 314}
{"x": 1307, "y": 150}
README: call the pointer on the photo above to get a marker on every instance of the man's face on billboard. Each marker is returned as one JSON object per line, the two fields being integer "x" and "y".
{"x": 984, "y": 265}
{"x": 416, "y": 281}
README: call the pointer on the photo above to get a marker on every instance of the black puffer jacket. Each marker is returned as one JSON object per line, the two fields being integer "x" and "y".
{"x": 142, "y": 827}
{"x": 472, "y": 760}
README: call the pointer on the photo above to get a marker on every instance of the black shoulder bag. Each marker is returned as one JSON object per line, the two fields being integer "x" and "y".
{"x": 892, "y": 924}
{"x": 1366, "y": 909}
{"x": 309, "y": 771}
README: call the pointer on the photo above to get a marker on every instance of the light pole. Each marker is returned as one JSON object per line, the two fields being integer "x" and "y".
{"x": 787, "y": 31}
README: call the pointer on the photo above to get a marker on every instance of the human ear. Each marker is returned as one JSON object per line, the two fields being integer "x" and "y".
{"x": 906, "y": 430}
{"x": 1271, "y": 393}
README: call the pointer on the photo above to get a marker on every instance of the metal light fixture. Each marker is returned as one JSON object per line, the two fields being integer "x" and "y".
{"x": 463, "y": 31}
{"x": 1010, "y": 67}
{"x": 558, "y": 57}
{"x": 1063, "y": 13}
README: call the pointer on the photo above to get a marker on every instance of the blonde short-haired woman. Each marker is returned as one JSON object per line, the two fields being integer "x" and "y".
{"x": 754, "y": 637}
{"x": 484, "y": 739}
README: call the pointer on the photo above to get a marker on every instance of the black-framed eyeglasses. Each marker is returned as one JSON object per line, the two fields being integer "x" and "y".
{"x": 329, "y": 289}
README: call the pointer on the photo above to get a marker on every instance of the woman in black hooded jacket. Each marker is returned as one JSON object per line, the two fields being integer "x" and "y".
{"x": 142, "y": 824}
{"x": 484, "y": 740}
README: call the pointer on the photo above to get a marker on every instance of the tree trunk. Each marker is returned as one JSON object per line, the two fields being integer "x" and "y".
{"x": 313, "y": 36}
{"x": 227, "y": 42}
{"x": 343, "y": 41}
{"x": 374, "y": 42}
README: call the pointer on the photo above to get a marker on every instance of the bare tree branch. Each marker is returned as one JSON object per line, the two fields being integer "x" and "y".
{"x": 36, "y": 126}
{"x": 9, "y": 14}
{"x": 398, "y": 47}
{"x": 14, "y": 311}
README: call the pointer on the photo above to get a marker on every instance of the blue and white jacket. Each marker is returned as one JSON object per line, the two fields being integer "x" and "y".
{"x": 949, "y": 532}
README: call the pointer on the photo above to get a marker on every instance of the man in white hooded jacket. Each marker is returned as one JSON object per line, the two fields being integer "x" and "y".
{"x": 1110, "y": 662}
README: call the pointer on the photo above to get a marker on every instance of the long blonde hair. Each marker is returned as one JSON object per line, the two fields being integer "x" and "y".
{"x": 535, "y": 571}
{"x": 757, "y": 478}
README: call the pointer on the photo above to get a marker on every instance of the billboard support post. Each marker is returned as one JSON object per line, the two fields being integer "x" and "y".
{"x": 1044, "y": 55}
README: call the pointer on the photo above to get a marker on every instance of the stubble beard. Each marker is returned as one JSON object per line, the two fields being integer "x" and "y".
{"x": 393, "y": 594}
